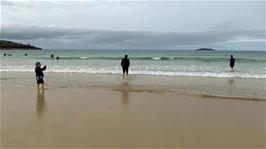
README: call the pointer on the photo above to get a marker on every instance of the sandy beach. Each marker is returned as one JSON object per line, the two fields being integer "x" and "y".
{"x": 121, "y": 116}
{"x": 197, "y": 74}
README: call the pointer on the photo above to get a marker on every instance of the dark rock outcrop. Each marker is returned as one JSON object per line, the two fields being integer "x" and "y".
{"x": 204, "y": 49}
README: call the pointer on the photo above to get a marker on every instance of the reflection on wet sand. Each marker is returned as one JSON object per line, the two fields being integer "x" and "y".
{"x": 231, "y": 82}
{"x": 40, "y": 106}
{"x": 125, "y": 94}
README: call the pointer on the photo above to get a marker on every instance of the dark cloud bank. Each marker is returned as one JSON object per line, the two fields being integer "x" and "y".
{"x": 84, "y": 38}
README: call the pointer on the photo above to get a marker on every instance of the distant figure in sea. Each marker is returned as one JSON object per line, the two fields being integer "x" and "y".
{"x": 125, "y": 63}
{"x": 26, "y": 54}
{"x": 4, "y": 54}
{"x": 52, "y": 56}
{"x": 39, "y": 75}
{"x": 232, "y": 62}
{"x": 57, "y": 58}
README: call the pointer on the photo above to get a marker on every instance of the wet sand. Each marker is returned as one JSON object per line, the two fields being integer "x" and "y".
{"x": 227, "y": 88}
{"x": 99, "y": 117}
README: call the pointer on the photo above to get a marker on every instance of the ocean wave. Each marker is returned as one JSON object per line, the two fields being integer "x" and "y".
{"x": 143, "y": 72}
{"x": 165, "y": 58}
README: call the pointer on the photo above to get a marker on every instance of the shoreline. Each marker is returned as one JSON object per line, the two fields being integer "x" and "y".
{"x": 87, "y": 110}
{"x": 224, "y": 88}
{"x": 136, "y": 73}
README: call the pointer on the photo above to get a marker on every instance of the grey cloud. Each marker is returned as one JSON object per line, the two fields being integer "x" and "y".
{"x": 129, "y": 39}
{"x": 7, "y": 3}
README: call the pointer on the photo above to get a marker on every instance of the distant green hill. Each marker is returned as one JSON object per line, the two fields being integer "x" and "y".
{"x": 10, "y": 45}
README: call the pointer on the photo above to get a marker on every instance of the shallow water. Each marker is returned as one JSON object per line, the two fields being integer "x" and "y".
{"x": 249, "y": 64}
{"x": 227, "y": 88}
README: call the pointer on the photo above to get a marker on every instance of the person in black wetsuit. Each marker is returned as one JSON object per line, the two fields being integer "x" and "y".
{"x": 52, "y": 56}
{"x": 39, "y": 74}
{"x": 232, "y": 62}
{"x": 125, "y": 63}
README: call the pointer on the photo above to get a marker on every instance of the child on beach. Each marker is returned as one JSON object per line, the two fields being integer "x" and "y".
{"x": 39, "y": 74}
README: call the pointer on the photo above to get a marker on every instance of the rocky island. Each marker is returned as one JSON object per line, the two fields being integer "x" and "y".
{"x": 10, "y": 45}
{"x": 204, "y": 49}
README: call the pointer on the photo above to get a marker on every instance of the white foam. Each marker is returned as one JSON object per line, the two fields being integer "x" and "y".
{"x": 156, "y": 58}
{"x": 144, "y": 72}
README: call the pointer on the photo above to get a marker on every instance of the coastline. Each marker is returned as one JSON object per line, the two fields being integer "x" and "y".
{"x": 133, "y": 74}
{"x": 226, "y": 88}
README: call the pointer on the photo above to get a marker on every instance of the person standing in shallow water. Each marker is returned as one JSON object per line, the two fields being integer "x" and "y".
{"x": 232, "y": 62}
{"x": 125, "y": 63}
{"x": 39, "y": 74}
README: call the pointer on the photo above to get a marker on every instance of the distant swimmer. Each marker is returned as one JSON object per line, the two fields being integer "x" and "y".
{"x": 125, "y": 63}
{"x": 4, "y": 54}
{"x": 52, "y": 56}
{"x": 57, "y": 58}
{"x": 26, "y": 54}
{"x": 232, "y": 62}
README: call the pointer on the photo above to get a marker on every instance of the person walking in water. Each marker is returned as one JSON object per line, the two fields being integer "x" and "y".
{"x": 125, "y": 63}
{"x": 232, "y": 62}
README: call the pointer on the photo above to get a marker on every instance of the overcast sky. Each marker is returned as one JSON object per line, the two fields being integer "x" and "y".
{"x": 224, "y": 25}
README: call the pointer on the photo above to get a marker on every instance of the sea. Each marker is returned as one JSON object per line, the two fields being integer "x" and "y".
{"x": 249, "y": 64}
